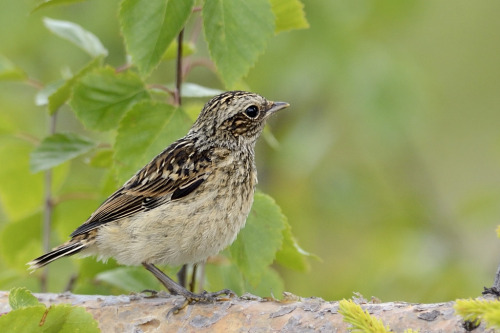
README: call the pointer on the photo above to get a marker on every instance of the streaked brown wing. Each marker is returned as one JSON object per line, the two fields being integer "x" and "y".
{"x": 173, "y": 174}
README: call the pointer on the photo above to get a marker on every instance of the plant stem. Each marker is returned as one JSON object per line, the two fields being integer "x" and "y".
{"x": 161, "y": 87}
{"x": 178, "y": 77}
{"x": 34, "y": 83}
{"x": 178, "y": 101}
{"x": 48, "y": 210}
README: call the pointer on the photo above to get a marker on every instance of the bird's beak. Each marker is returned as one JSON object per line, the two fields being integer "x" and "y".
{"x": 276, "y": 106}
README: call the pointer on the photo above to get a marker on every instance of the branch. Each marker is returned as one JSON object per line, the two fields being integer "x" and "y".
{"x": 136, "y": 313}
{"x": 48, "y": 209}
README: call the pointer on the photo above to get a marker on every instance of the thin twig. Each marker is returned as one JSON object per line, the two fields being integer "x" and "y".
{"x": 161, "y": 87}
{"x": 27, "y": 137}
{"x": 202, "y": 62}
{"x": 74, "y": 196}
{"x": 178, "y": 101}
{"x": 123, "y": 68}
{"x": 178, "y": 76}
{"x": 48, "y": 210}
{"x": 104, "y": 145}
{"x": 34, "y": 83}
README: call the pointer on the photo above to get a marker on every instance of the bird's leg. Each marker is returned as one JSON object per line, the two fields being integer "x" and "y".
{"x": 173, "y": 287}
{"x": 193, "y": 278}
{"x": 176, "y": 289}
{"x": 181, "y": 275}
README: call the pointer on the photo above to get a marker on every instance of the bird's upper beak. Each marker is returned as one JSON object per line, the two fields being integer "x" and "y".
{"x": 276, "y": 106}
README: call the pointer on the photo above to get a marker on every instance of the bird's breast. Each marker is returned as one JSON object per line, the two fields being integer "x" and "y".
{"x": 190, "y": 229}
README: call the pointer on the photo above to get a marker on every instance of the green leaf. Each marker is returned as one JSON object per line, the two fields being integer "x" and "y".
{"x": 188, "y": 49}
{"x": 57, "y": 149}
{"x": 256, "y": 246}
{"x": 21, "y": 297}
{"x": 271, "y": 284}
{"x": 23, "y": 320}
{"x": 65, "y": 318}
{"x": 102, "y": 159}
{"x": 193, "y": 109}
{"x": 9, "y": 71}
{"x": 21, "y": 192}
{"x": 20, "y": 241}
{"x": 289, "y": 15}
{"x": 130, "y": 279}
{"x": 149, "y": 26}
{"x": 42, "y": 96}
{"x": 48, "y": 3}
{"x": 89, "y": 267}
{"x": 101, "y": 98}
{"x": 225, "y": 275}
{"x": 74, "y": 33}
{"x": 291, "y": 255}
{"x": 63, "y": 93}
{"x": 69, "y": 214}
{"x": 236, "y": 31}
{"x": 147, "y": 129}
{"x": 62, "y": 318}
{"x": 228, "y": 275}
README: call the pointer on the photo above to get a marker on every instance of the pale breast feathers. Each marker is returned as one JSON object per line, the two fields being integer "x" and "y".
{"x": 173, "y": 174}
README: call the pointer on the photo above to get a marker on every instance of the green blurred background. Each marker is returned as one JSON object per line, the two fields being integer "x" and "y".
{"x": 388, "y": 160}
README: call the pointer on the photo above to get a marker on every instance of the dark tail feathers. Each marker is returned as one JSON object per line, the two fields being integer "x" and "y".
{"x": 59, "y": 252}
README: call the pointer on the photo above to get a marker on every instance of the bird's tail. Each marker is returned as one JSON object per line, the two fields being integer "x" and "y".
{"x": 66, "y": 249}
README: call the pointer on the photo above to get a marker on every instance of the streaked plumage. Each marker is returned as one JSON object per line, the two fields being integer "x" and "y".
{"x": 190, "y": 201}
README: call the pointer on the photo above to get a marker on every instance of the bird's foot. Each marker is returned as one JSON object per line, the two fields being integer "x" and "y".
{"x": 152, "y": 293}
{"x": 491, "y": 291}
{"x": 204, "y": 297}
{"x": 215, "y": 295}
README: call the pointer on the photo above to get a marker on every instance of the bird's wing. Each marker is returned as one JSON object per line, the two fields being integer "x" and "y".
{"x": 171, "y": 175}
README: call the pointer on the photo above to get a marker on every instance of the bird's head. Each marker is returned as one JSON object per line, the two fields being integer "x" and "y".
{"x": 234, "y": 118}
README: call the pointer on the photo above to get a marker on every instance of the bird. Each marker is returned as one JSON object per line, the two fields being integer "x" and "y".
{"x": 188, "y": 203}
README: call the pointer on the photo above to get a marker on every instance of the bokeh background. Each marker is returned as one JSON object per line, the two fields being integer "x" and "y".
{"x": 388, "y": 164}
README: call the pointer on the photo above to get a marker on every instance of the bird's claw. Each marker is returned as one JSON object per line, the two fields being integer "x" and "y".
{"x": 204, "y": 297}
{"x": 153, "y": 293}
{"x": 215, "y": 295}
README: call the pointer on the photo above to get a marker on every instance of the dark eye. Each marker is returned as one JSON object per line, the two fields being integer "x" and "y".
{"x": 252, "y": 111}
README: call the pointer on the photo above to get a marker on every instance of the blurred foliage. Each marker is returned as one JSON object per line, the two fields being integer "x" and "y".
{"x": 474, "y": 310}
{"x": 128, "y": 119}
{"x": 29, "y": 315}
{"x": 387, "y": 162}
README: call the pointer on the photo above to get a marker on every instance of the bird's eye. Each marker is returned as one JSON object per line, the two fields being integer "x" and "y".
{"x": 252, "y": 111}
